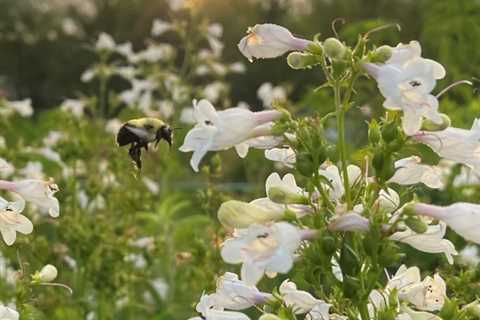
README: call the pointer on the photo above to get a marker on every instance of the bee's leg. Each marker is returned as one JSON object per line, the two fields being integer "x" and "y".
{"x": 135, "y": 153}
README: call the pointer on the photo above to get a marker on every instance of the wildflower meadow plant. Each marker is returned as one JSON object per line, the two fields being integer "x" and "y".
{"x": 344, "y": 234}
{"x": 336, "y": 231}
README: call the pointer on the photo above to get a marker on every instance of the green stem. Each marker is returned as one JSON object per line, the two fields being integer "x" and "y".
{"x": 103, "y": 96}
{"x": 341, "y": 142}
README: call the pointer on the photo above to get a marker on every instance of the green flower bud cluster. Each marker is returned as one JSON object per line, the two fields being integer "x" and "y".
{"x": 385, "y": 140}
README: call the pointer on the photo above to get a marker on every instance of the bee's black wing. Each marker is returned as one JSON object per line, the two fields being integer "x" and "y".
{"x": 126, "y": 135}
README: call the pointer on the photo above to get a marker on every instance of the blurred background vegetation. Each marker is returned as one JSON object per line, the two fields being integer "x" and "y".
{"x": 130, "y": 252}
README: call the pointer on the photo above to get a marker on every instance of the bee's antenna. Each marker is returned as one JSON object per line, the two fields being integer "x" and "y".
{"x": 178, "y": 128}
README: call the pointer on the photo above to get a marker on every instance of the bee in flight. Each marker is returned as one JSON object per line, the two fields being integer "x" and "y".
{"x": 139, "y": 133}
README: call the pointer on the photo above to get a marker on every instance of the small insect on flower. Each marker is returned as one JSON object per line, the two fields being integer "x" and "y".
{"x": 140, "y": 132}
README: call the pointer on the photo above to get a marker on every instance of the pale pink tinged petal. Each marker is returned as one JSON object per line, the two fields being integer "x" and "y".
{"x": 242, "y": 149}
{"x": 8, "y": 235}
{"x": 391, "y": 105}
{"x": 7, "y": 185}
{"x": 19, "y": 205}
{"x": 251, "y": 273}
{"x": 231, "y": 251}
{"x": 281, "y": 262}
{"x": 438, "y": 70}
{"x": 226, "y": 315}
{"x": 204, "y": 111}
{"x": 267, "y": 116}
{"x": 432, "y": 211}
{"x": 372, "y": 69}
{"x": 272, "y": 180}
{"x": 23, "y": 224}
{"x": 54, "y": 207}
{"x": 289, "y": 179}
{"x": 411, "y": 122}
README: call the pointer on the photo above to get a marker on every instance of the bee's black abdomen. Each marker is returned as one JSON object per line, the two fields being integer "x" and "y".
{"x": 125, "y": 136}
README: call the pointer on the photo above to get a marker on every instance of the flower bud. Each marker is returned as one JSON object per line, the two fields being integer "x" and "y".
{"x": 429, "y": 125}
{"x": 269, "y": 316}
{"x": 374, "y": 134}
{"x": 315, "y": 48}
{"x": 473, "y": 309}
{"x": 239, "y": 214}
{"x": 285, "y": 196}
{"x": 47, "y": 274}
{"x": 416, "y": 224}
{"x": 349, "y": 222}
{"x": 299, "y": 60}
{"x": 382, "y": 54}
{"x": 390, "y": 132}
{"x": 334, "y": 49}
{"x": 305, "y": 164}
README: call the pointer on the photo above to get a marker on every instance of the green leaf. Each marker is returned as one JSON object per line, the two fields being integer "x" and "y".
{"x": 423, "y": 151}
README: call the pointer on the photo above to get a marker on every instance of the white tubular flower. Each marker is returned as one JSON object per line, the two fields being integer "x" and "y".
{"x": 285, "y": 156}
{"x": 269, "y": 41}
{"x": 263, "y": 249}
{"x": 284, "y": 190}
{"x": 469, "y": 256}
{"x": 105, "y": 42}
{"x": 270, "y": 94}
{"x": 235, "y": 294}
{"x": 351, "y": 221}
{"x": 22, "y": 107}
{"x": 39, "y": 192}
{"x": 462, "y": 217}
{"x": 159, "y": 27}
{"x": 410, "y": 171}
{"x": 428, "y": 295}
{"x": 431, "y": 241}
{"x": 455, "y": 144}
{"x": 7, "y": 313}
{"x": 301, "y": 301}
{"x": 209, "y": 310}
{"x": 404, "y": 278}
{"x": 336, "y": 188}
{"x": 11, "y": 221}
{"x": 224, "y": 129}
{"x": 388, "y": 200}
{"x": 47, "y": 274}
{"x": 406, "y": 81}
{"x": 239, "y": 214}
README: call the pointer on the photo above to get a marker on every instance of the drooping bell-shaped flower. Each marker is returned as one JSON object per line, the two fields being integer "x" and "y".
{"x": 234, "y": 294}
{"x": 301, "y": 301}
{"x": 12, "y": 221}
{"x": 39, "y": 192}
{"x": 410, "y": 171}
{"x": 462, "y": 217}
{"x": 406, "y": 81}
{"x": 224, "y": 129}
{"x": 459, "y": 145}
{"x": 431, "y": 241}
{"x": 263, "y": 249}
{"x": 269, "y": 41}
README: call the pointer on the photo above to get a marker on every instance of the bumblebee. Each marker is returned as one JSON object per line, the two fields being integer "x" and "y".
{"x": 139, "y": 133}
